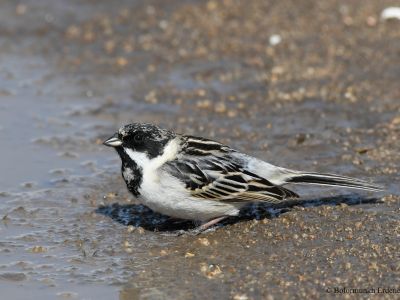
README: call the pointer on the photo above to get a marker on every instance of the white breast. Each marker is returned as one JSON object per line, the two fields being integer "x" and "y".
{"x": 166, "y": 194}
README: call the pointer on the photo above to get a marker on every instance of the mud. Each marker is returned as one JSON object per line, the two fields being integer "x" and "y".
{"x": 310, "y": 85}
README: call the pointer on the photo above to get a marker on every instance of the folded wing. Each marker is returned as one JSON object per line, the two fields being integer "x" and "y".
{"x": 210, "y": 172}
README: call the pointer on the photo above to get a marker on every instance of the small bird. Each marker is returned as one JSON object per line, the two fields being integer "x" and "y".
{"x": 195, "y": 178}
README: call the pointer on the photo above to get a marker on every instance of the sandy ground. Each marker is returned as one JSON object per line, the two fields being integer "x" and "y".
{"x": 311, "y": 85}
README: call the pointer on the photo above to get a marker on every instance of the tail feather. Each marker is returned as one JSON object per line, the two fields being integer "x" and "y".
{"x": 332, "y": 180}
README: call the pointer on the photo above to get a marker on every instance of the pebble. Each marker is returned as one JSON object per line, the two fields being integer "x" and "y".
{"x": 203, "y": 104}
{"x": 220, "y": 107}
{"x": 240, "y": 297}
{"x": 204, "y": 241}
{"x": 67, "y": 295}
{"x": 128, "y": 250}
{"x": 38, "y": 249}
{"x": 275, "y": 39}
{"x": 210, "y": 271}
{"x": 390, "y": 13}
{"x": 121, "y": 62}
{"x": 189, "y": 255}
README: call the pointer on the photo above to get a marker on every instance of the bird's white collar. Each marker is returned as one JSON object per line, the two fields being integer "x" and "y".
{"x": 142, "y": 160}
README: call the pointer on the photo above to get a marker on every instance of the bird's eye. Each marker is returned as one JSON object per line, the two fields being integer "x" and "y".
{"x": 138, "y": 138}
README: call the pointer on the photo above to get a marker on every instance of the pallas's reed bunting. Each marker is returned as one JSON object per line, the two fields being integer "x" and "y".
{"x": 195, "y": 178}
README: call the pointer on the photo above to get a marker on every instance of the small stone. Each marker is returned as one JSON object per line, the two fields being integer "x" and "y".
{"x": 21, "y": 9}
{"x": 38, "y": 249}
{"x": 390, "y": 13}
{"x": 373, "y": 266}
{"x": 213, "y": 270}
{"x": 210, "y": 271}
{"x": 121, "y": 62}
{"x": 220, "y": 107}
{"x": 27, "y": 185}
{"x": 203, "y": 104}
{"x": 73, "y": 32}
{"x": 189, "y": 255}
{"x": 89, "y": 36}
{"x": 211, "y": 5}
{"x": 127, "y": 244}
{"x": 151, "y": 68}
{"x": 48, "y": 281}
{"x": 109, "y": 46}
{"x": 201, "y": 92}
{"x": 204, "y": 241}
{"x": 163, "y": 24}
{"x": 232, "y": 113}
{"x": 111, "y": 195}
{"x": 358, "y": 225}
{"x": 151, "y": 97}
{"x": 275, "y": 39}
{"x": 395, "y": 121}
{"x": 67, "y": 295}
{"x": 240, "y": 297}
{"x": 371, "y": 21}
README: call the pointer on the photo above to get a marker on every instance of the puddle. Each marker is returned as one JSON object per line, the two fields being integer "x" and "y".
{"x": 40, "y": 141}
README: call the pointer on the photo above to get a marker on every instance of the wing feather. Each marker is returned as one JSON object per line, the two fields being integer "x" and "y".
{"x": 210, "y": 172}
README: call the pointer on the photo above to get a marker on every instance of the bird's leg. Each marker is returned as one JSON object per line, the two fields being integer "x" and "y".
{"x": 197, "y": 230}
{"x": 212, "y": 222}
{"x": 207, "y": 225}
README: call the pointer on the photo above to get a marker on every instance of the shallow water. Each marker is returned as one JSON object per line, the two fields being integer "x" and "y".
{"x": 64, "y": 235}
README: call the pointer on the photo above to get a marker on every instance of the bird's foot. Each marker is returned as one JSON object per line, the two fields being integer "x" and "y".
{"x": 175, "y": 233}
{"x": 206, "y": 227}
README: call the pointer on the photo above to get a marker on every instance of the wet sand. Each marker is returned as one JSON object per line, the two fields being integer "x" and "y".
{"x": 306, "y": 85}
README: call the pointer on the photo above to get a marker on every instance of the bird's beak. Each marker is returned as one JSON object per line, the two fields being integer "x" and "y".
{"x": 113, "y": 141}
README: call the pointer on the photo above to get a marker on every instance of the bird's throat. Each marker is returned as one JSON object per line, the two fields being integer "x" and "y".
{"x": 131, "y": 172}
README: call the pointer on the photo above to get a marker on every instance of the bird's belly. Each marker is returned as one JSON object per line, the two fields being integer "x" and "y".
{"x": 168, "y": 196}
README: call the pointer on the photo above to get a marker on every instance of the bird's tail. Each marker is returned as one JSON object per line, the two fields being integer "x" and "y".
{"x": 331, "y": 179}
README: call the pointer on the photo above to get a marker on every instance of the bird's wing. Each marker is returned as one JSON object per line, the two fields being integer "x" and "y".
{"x": 210, "y": 171}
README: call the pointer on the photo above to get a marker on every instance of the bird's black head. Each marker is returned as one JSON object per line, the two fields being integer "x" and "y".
{"x": 140, "y": 137}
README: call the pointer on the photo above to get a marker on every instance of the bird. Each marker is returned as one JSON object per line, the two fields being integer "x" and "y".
{"x": 199, "y": 179}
